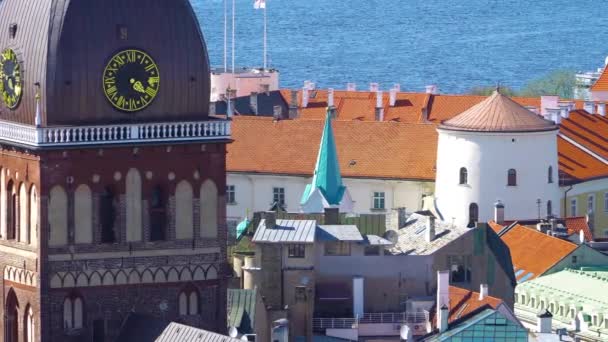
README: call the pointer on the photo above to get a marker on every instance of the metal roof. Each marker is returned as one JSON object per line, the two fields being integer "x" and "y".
{"x": 338, "y": 233}
{"x": 176, "y": 332}
{"x": 286, "y": 231}
{"x": 375, "y": 240}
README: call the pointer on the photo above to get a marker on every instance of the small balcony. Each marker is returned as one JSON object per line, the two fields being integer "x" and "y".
{"x": 114, "y": 134}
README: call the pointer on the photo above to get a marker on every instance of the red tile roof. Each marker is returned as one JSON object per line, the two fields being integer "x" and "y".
{"x": 389, "y": 150}
{"x": 577, "y": 164}
{"x": 463, "y": 302}
{"x": 577, "y": 224}
{"x": 533, "y": 252}
{"x": 602, "y": 83}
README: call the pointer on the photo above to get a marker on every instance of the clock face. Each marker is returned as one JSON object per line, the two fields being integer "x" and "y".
{"x": 131, "y": 80}
{"x": 11, "y": 84}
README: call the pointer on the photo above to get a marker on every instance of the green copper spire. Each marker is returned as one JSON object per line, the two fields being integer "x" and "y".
{"x": 327, "y": 176}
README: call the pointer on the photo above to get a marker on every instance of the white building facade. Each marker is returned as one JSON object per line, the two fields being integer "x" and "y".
{"x": 497, "y": 151}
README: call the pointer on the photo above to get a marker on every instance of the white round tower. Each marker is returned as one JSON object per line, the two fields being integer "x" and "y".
{"x": 497, "y": 151}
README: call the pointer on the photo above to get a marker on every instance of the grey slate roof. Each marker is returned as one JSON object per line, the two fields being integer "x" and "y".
{"x": 176, "y": 332}
{"x": 338, "y": 233}
{"x": 412, "y": 237}
{"x": 375, "y": 240}
{"x": 286, "y": 231}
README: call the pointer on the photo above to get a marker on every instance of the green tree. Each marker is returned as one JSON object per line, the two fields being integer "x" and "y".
{"x": 488, "y": 90}
{"x": 559, "y": 82}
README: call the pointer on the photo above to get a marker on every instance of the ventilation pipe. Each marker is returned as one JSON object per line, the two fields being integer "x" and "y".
{"x": 601, "y": 108}
{"x": 305, "y": 96}
{"x": 392, "y": 100}
{"x": 397, "y": 87}
{"x": 430, "y": 229}
{"x": 483, "y": 291}
{"x": 431, "y": 89}
{"x": 564, "y": 111}
{"x": 499, "y": 212}
{"x": 330, "y": 97}
{"x": 351, "y": 86}
{"x": 374, "y": 87}
{"x": 379, "y": 107}
{"x": 588, "y": 106}
{"x": 253, "y": 102}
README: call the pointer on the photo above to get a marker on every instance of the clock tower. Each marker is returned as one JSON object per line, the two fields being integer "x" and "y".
{"x": 112, "y": 173}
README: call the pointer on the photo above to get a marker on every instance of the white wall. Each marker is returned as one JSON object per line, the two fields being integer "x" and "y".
{"x": 244, "y": 82}
{"x": 488, "y": 157}
{"x": 254, "y": 192}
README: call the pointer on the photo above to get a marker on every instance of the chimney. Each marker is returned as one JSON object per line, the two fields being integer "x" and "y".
{"x": 601, "y": 108}
{"x": 379, "y": 106}
{"x": 351, "y": 86}
{"x": 430, "y": 229}
{"x": 255, "y": 220}
{"x": 253, "y": 102}
{"x": 442, "y": 318}
{"x": 431, "y": 89}
{"x": 312, "y": 86}
{"x": 543, "y": 324}
{"x": 277, "y": 112}
{"x": 547, "y": 102}
{"x": 293, "y": 105}
{"x": 231, "y": 99}
{"x": 499, "y": 212}
{"x": 397, "y": 87}
{"x": 392, "y": 99}
{"x": 588, "y": 106}
{"x": 330, "y": 97}
{"x": 270, "y": 218}
{"x": 554, "y": 115}
{"x": 564, "y": 111}
{"x": 305, "y": 96}
{"x": 483, "y": 291}
{"x": 332, "y": 215}
{"x": 374, "y": 87}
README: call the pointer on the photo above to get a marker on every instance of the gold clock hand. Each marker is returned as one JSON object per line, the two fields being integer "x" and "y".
{"x": 10, "y": 83}
{"x": 138, "y": 86}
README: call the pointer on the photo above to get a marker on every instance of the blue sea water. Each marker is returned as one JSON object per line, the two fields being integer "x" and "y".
{"x": 456, "y": 44}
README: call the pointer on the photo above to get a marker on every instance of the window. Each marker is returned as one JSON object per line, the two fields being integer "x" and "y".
{"x": 339, "y": 248}
{"x": 11, "y": 211}
{"x": 278, "y": 196}
{"x": 158, "y": 214}
{"x": 511, "y": 177}
{"x": 460, "y": 268}
{"x": 12, "y": 31}
{"x": 230, "y": 194}
{"x": 107, "y": 215}
{"x": 73, "y": 313}
{"x": 473, "y": 215}
{"x": 574, "y": 259}
{"x": 372, "y": 250}
{"x": 296, "y": 251}
{"x": 606, "y": 201}
{"x": 549, "y": 208}
{"x": 590, "y": 204}
{"x": 573, "y": 207}
{"x": 550, "y": 175}
{"x": 188, "y": 302}
{"x": 29, "y": 328}
{"x": 378, "y": 201}
{"x": 464, "y": 177}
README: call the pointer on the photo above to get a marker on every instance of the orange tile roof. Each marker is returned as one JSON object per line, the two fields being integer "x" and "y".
{"x": 463, "y": 302}
{"x": 577, "y": 224}
{"x": 498, "y": 113}
{"x": 588, "y": 130}
{"x": 389, "y": 150}
{"x": 578, "y": 164}
{"x": 532, "y": 251}
{"x": 602, "y": 83}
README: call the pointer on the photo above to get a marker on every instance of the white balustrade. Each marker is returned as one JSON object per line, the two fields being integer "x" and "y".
{"x": 113, "y": 134}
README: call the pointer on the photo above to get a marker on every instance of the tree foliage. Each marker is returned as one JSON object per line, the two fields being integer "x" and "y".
{"x": 559, "y": 82}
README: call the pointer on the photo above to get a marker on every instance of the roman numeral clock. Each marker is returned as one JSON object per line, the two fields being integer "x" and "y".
{"x": 131, "y": 80}
{"x": 11, "y": 85}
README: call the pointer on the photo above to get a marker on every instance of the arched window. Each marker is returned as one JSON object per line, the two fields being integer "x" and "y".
{"x": 550, "y": 175}
{"x": 209, "y": 205}
{"x": 73, "y": 313}
{"x": 184, "y": 221}
{"x": 107, "y": 215}
{"x": 11, "y": 326}
{"x": 29, "y": 328}
{"x": 58, "y": 217}
{"x": 473, "y": 215}
{"x": 133, "y": 206}
{"x": 33, "y": 234}
{"x": 83, "y": 214}
{"x": 24, "y": 222}
{"x": 464, "y": 177}
{"x": 11, "y": 211}
{"x": 189, "y": 302}
{"x": 549, "y": 208}
{"x": 158, "y": 214}
{"x": 512, "y": 177}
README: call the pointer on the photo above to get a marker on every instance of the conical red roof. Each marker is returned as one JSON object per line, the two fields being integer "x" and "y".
{"x": 498, "y": 113}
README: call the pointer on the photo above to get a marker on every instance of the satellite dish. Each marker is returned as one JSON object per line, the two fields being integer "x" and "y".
{"x": 232, "y": 332}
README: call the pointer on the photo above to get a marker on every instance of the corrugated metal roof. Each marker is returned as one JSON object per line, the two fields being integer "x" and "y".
{"x": 338, "y": 233}
{"x": 290, "y": 231}
{"x": 176, "y": 332}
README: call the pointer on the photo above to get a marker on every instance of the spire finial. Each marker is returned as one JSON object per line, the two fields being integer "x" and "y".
{"x": 38, "y": 119}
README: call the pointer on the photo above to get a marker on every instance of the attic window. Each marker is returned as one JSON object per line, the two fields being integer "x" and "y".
{"x": 122, "y": 32}
{"x": 12, "y": 30}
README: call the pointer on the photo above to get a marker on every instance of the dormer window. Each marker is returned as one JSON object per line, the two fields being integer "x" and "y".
{"x": 12, "y": 31}
{"x": 464, "y": 176}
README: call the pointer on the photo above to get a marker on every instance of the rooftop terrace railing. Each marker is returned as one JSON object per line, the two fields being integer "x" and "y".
{"x": 321, "y": 324}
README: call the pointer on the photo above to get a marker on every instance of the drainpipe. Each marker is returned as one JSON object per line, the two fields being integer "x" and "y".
{"x": 566, "y": 201}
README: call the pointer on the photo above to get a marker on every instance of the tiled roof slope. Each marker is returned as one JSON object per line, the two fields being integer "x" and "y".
{"x": 445, "y": 107}
{"x": 498, "y": 113}
{"x": 591, "y": 131}
{"x": 602, "y": 83}
{"x": 577, "y": 164}
{"x": 463, "y": 302}
{"x": 577, "y": 224}
{"x": 388, "y": 150}
{"x": 529, "y": 248}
